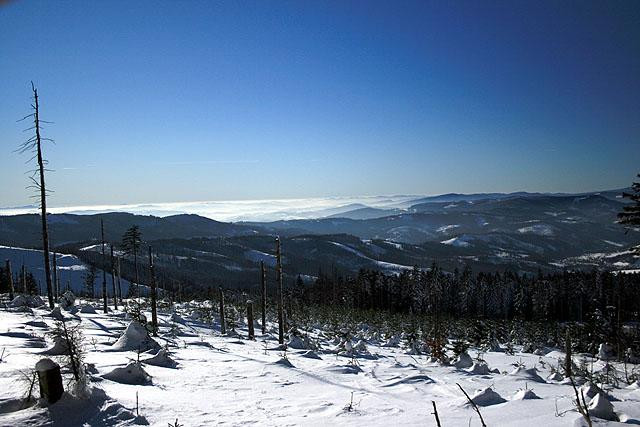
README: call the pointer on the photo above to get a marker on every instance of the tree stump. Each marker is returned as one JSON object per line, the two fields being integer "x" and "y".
{"x": 50, "y": 380}
{"x": 252, "y": 334}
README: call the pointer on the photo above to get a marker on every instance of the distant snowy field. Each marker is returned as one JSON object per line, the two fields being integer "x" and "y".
{"x": 230, "y": 380}
{"x": 237, "y": 210}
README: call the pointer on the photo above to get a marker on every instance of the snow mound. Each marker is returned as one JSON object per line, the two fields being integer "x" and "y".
{"x": 346, "y": 369}
{"x": 525, "y": 395}
{"x": 37, "y": 324}
{"x": 56, "y": 314}
{"x": 311, "y": 355}
{"x": 393, "y": 341}
{"x": 161, "y": 359}
{"x": 32, "y": 301}
{"x": 135, "y": 338}
{"x": 463, "y": 361}
{"x": 487, "y": 397}
{"x": 530, "y": 374}
{"x": 479, "y": 368}
{"x": 602, "y": 408}
{"x": 59, "y": 347}
{"x": 634, "y": 386}
{"x": 591, "y": 390}
{"x": 67, "y": 300}
{"x": 175, "y": 317}
{"x": 301, "y": 343}
{"x": 133, "y": 373}
{"x": 605, "y": 351}
{"x": 284, "y": 362}
{"x": 556, "y": 376}
{"x": 88, "y": 309}
{"x": 96, "y": 408}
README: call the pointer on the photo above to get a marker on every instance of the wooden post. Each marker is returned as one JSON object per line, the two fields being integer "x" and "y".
{"x": 152, "y": 281}
{"x": 223, "y": 329}
{"x": 280, "y": 297}
{"x": 113, "y": 281}
{"x": 252, "y": 334}
{"x": 104, "y": 272}
{"x": 50, "y": 380}
{"x": 10, "y": 277}
{"x": 264, "y": 297}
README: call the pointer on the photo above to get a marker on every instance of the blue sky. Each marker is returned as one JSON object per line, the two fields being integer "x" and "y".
{"x": 186, "y": 100}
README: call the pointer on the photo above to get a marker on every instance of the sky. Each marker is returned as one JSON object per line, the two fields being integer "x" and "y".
{"x": 231, "y": 100}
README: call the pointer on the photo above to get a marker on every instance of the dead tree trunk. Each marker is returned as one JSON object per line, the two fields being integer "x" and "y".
{"x": 23, "y": 279}
{"x": 223, "y": 329}
{"x": 10, "y": 277}
{"x": 280, "y": 296}
{"x": 435, "y": 413}
{"x": 252, "y": 334}
{"x": 113, "y": 281}
{"x": 568, "y": 358}
{"x": 119, "y": 282}
{"x": 37, "y": 144}
{"x": 104, "y": 271}
{"x": 56, "y": 284}
{"x": 263, "y": 282}
{"x": 152, "y": 283}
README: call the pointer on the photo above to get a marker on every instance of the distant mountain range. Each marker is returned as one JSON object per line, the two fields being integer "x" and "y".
{"x": 491, "y": 231}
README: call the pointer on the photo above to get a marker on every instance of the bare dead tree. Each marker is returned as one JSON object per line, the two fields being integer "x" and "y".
{"x": 34, "y": 146}
{"x": 152, "y": 285}
{"x": 10, "y": 277}
{"x": 113, "y": 281}
{"x": 223, "y": 329}
{"x": 263, "y": 287}
{"x": 56, "y": 284}
{"x": 23, "y": 279}
{"x": 252, "y": 334}
{"x": 104, "y": 271}
{"x": 119, "y": 281}
{"x": 435, "y": 413}
{"x": 280, "y": 296}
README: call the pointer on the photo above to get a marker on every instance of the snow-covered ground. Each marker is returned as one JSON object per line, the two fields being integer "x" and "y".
{"x": 231, "y": 380}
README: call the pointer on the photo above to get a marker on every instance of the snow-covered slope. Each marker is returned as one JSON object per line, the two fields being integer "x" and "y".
{"x": 230, "y": 380}
{"x": 71, "y": 270}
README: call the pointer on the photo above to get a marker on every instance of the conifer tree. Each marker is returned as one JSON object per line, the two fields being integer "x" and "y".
{"x": 630, "y": 215}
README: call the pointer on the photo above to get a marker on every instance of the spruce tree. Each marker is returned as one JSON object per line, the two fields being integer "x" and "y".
{"x": 630, "y": 215}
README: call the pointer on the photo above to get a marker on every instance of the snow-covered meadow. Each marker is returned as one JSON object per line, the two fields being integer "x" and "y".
{"x": 228, "y": 379}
